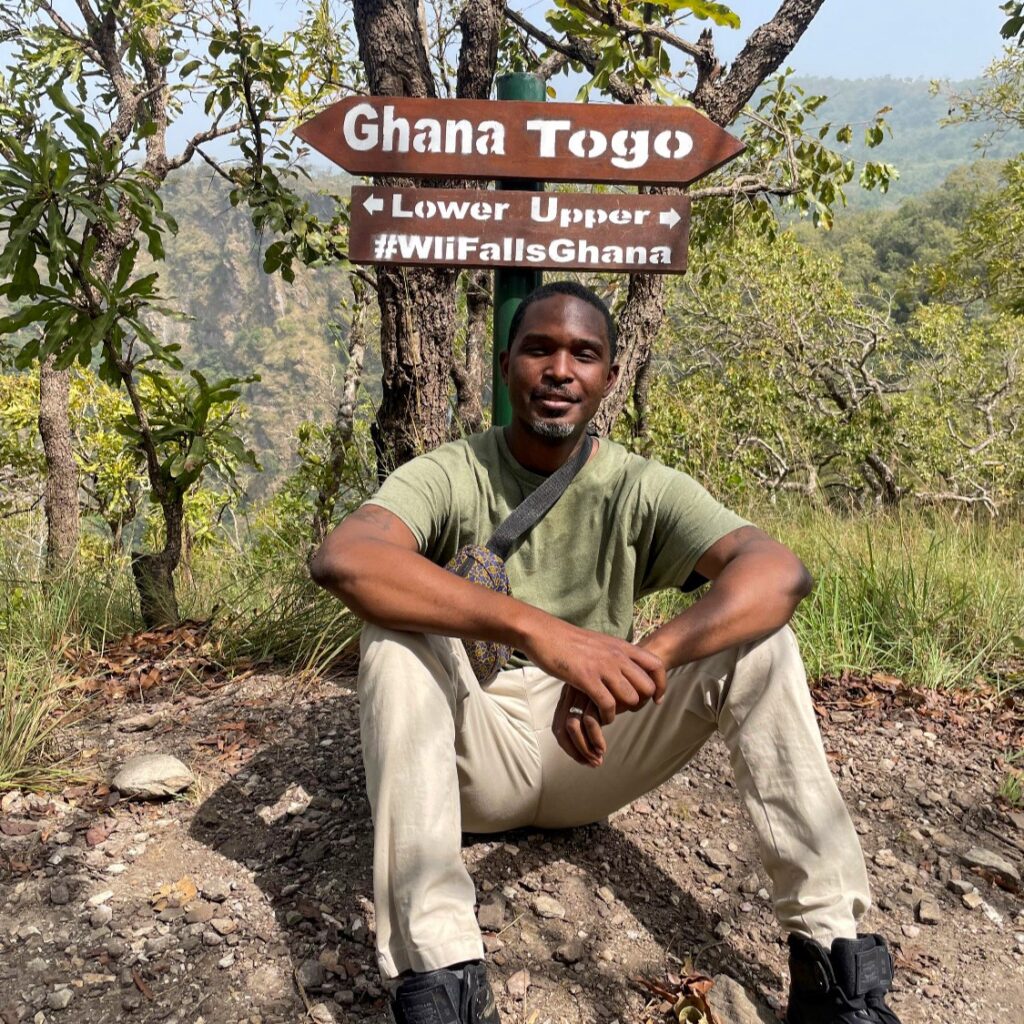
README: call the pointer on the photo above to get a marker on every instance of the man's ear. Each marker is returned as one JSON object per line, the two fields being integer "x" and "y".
{"x": 613, "y": 376}
{"x": 503, "y": 364}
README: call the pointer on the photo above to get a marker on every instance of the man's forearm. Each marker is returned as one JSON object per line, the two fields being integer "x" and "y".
{"x": 417, "y": 596}
{"x": 752, "y": 597}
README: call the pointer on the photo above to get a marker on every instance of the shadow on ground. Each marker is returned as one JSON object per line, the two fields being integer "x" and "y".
{"x": 315, "y": 868}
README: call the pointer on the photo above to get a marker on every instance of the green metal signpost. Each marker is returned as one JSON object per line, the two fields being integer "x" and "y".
{"x": 511, "y": 284}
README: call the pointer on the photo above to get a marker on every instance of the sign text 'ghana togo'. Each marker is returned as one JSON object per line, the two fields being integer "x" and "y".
{"x": 479, "y": 228}
{"x": 579, "y": 142}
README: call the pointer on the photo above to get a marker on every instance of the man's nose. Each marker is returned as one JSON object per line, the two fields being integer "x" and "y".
{"x": 559, "y": 366}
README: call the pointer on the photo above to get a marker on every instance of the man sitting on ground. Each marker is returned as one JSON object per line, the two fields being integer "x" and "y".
{"x": 582, "y": 720}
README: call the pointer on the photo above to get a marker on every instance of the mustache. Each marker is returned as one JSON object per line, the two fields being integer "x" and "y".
{"x": 553, "y": 394}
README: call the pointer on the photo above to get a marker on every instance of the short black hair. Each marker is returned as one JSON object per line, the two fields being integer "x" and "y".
{"x": 577, "y": 291}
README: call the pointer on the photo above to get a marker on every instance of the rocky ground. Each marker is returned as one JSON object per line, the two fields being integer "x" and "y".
{"x": 248, "y": 898}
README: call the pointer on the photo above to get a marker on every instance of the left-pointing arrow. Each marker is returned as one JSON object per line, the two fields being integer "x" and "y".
{"x": 669, "y": 218}
{"x": 373, "y": 204}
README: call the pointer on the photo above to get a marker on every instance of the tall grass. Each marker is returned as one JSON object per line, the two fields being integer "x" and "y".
{"x": 931, "y": 599}
{"x": 927, "y": 598}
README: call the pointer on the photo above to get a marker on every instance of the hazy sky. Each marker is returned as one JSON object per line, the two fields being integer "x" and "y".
{"x": 903, "y": 38}
{"x": 847, "y": 39}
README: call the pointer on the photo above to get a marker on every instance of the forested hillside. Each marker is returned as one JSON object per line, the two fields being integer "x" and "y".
{"x": 924, "y": 149}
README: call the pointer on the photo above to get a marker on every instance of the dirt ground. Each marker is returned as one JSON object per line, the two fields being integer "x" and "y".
{"x": 249, "y": 899}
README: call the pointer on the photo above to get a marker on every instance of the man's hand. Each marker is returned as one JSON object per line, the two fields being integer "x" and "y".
{"x": 580, "y": 735}
{"x": 614, "y": 674}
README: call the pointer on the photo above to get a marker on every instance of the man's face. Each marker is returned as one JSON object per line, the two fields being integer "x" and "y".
{"x": 558, "y": 367}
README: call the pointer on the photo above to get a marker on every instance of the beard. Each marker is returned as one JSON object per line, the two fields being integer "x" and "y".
{"x": 554, "y": 430}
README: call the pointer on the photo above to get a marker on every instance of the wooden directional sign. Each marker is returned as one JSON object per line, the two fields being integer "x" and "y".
{"x": 581, "y": 142}
{"x": 477, "y": 228}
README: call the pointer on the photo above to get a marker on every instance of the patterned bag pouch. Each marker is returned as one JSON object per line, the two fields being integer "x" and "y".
{"x": 486, "y": 565}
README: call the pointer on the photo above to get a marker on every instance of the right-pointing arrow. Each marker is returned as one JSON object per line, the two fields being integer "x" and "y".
{"x": 669, "y": 218}
{"x": 374, "y": 205}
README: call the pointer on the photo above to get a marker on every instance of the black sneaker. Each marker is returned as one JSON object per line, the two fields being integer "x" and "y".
{"x": 846, "y": 985}
{"x": 452, "y": 995}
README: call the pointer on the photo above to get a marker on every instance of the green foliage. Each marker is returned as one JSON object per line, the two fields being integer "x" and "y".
{"x": 774, "y": 377}
{"x": 57, "y": 197}
{"x": 1014, "y": 24}
{"x": 986, "y": 263}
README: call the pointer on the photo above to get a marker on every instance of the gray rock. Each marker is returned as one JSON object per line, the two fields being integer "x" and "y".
{"x": 972, "y": 900}
{"x": 152, "y": 776}
{"x": 717, "y": 857}
{"x": 570, "y": 952}
{"x": 548, "y": 906}
{"x": 518, "y": 984}
{"x": 992, "y": 864}
{"x": 60, "y": 999}
{"x": 885, "y": 858}
{"x": 141, "y": 723}
{"x": 732, "y": 1004}
{"x": 59, "y": 894}
{"x": 161, "y": 943}
{"x": 606, "y": 894}
{"x": 101, "y": 916}
{"x": 928, "y": 911}
{"x": 217, "y": 890}
{"x": 198, "y": 912}
{"x": 960, "y": 886}
{"x": 750, "y": 884}
{"x": 491, "y": 916}
{"x": 320, "y": 1014}
{"x": 311, "y": 974}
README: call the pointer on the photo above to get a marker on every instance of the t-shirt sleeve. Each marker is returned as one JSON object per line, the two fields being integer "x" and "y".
{"x": 684, "y": 521}
{"x": 420, "y": 494}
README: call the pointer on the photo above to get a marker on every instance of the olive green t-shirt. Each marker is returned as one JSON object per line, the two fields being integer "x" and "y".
{"x": 626, "y": 526}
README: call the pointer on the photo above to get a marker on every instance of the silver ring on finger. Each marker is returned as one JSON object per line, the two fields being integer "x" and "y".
{"x": 576, "y": 711}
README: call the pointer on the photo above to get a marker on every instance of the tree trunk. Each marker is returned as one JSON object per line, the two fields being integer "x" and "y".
{"x": 61, "y": 495}
{"x": 469, "y": 375}
{"x": 417, "y": 328}
{"x": 345, "y": 417}
{"x": 154, "y": 572}
{"x": 639, "y": 323}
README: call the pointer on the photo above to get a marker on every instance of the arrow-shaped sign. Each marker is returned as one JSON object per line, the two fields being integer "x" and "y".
{"x": 669, "y": 218}
{"x": 582, "y": 142}
{"x": 373, "y": 204}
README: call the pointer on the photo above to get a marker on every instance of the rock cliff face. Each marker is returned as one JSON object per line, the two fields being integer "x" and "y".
{"x": 244, "y": 321}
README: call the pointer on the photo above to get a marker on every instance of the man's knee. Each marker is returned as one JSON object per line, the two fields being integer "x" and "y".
{"x": 391, "y": 657}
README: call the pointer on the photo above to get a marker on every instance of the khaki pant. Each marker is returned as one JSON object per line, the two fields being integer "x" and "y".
{"x": 443, "y": 755}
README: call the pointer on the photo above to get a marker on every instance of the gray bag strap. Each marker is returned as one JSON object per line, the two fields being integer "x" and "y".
{"x": 532, "y": 509}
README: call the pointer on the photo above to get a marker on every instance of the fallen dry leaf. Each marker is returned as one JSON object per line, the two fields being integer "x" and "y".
{"x": 174, "y": 894}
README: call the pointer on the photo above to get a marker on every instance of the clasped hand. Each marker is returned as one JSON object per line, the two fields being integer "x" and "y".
{"x": 604, "y": 676}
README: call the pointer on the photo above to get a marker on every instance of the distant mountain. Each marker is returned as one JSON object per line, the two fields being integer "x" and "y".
{"x": 924, "y": 151}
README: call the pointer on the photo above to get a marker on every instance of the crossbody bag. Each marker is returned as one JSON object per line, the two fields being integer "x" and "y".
{"x": 485, "y": 564}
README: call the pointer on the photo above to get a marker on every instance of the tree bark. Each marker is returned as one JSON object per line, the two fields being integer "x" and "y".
{"x": 61, "y": 494}
{"x": 469, "y": 375}
{"x": 639, "y": 323}
{"x": 345, "y": 417}
{"x": 154, "y": 572}
{"x": 722, "y": 97}
{"x": 417, "y": 330}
